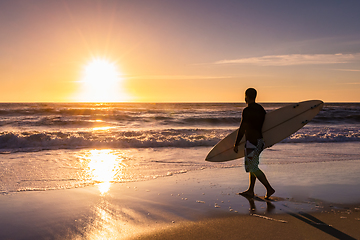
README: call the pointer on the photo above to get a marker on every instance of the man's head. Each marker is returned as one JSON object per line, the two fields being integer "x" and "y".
{"x": 250, "y": 95}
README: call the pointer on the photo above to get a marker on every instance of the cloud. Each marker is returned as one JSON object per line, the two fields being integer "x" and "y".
{"x": 178, "y": 77}
{"x": 347, "y": 70}
{"x": 295, "y": 59}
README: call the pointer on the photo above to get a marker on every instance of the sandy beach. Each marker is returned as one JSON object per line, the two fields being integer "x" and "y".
{"x": 200, "y": 204}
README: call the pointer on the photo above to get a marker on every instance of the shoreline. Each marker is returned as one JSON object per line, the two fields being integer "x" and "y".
{"x": 304, "y": 164}
{"x": 188, "y": 206}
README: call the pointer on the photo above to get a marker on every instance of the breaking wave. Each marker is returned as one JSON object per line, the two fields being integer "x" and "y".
{"x": 179, "y": 138}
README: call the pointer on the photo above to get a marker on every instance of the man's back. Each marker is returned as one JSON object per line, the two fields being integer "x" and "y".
{"x": 253, "y": 118}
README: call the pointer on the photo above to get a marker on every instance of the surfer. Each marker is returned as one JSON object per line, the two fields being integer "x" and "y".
{"x": 252, "y": 120}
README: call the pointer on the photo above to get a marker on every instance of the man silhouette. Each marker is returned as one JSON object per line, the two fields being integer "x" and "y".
{"x": 252, "y": 120}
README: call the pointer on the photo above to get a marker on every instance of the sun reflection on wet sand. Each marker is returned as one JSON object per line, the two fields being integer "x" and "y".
{"x": 120, "y": 211}
{"x": 104, "y": 168}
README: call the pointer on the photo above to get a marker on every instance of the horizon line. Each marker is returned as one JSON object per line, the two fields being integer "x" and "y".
{"x": 166, "y": 102}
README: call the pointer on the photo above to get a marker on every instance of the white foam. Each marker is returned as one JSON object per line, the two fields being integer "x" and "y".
{"x": 179, "y": 138}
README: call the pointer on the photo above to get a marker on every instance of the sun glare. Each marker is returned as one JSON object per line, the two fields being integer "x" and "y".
{"x": 104, "y": 167}
{"x": 101, "y": 82}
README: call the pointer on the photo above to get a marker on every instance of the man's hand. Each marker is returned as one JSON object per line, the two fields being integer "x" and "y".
{"x": 236, "y": 149}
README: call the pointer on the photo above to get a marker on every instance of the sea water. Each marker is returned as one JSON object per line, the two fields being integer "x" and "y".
{"x": 47, "y": 146}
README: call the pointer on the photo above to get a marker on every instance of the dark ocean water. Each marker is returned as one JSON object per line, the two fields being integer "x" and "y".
{"x": 44, "y": 126}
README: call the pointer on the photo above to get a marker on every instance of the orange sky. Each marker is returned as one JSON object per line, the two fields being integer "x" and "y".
{"x": 178, "y": 51}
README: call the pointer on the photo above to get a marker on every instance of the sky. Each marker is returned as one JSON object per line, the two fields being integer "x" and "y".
{"x": 179, "y": 51}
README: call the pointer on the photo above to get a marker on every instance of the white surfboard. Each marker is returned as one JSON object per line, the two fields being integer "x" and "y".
{"x": 278, "y": 125}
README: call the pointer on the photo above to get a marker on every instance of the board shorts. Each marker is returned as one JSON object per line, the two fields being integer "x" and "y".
{"x": 252, "y": 154}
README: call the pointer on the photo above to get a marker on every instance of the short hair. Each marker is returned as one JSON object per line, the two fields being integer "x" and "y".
{"x": 251, "y": 93}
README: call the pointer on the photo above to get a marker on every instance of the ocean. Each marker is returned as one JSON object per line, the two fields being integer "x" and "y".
{"x": 47, "y": 146}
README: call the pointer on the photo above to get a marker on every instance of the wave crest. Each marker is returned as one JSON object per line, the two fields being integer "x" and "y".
{"x": 179, "y": 138}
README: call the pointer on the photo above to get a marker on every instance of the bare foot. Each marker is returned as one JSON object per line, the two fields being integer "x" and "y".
{"x": 269, "y": 193}
{"x": 247, "y": 193}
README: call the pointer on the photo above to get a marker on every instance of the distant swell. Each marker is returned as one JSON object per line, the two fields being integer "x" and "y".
{"x": 85, "y": 115}
{"x": 90, "y": 121}
{"x": 212, "y": 120}
{"x": 339, "y": 119}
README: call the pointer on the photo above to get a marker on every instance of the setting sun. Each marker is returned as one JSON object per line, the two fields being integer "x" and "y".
{"x": 101, "y": 82}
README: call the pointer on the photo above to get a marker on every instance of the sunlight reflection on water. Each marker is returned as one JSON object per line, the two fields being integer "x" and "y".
{"x": 104, "y": 167}
{"x": 102, "y": 128}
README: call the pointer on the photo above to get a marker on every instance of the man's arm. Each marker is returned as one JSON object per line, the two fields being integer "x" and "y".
{"x": 240, "y": 134}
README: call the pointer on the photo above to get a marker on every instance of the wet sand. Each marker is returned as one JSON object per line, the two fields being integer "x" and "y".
{"x": 193, "y": 205}
{"x": 300, "y": 226}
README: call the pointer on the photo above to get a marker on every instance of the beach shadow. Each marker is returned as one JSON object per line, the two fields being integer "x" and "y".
{"x": 302, "y": 216}
{"x": 313, "y": 221}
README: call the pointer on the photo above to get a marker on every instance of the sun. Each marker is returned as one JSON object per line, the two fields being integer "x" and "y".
{"x": 101, "y": 82}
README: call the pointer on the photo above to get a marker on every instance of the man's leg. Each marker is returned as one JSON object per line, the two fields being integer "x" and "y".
{"x": 262, "y": 178}
{"x": 250, "y": 191}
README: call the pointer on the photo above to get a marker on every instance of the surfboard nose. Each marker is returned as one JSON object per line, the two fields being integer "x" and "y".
{"x": 320, "y": 104}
